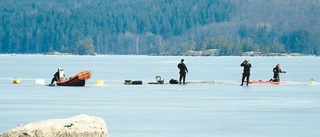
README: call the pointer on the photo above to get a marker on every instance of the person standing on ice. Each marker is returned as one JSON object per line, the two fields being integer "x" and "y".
{"x": 246, "y": 71}
{"x": 183, "y": 70}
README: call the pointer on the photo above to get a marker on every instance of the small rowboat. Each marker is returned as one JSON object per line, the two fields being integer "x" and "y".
{"x": 78, "y": 79}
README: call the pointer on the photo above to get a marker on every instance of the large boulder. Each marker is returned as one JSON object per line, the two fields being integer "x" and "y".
{"x": 77, "y": 126}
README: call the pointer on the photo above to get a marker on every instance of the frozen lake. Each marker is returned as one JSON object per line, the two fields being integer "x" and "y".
{"x": 223, "y": 109}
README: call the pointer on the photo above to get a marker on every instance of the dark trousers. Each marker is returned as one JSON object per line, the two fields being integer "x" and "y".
{"x": 53, "y": 79}
{"x": 276, "y": 77}
{"x": 182, "y": 77}
{"x": 245, "y": 76}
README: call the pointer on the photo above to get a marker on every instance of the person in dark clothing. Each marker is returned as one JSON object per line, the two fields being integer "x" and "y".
{"x": 276, "y": 70}
{"x": 246, "y": 71}
{"x": 183, "y": 70}
{"x": 56, "y": 77}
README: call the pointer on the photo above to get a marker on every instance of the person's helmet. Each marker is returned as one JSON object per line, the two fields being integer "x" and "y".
{"x": 182, "y": 59}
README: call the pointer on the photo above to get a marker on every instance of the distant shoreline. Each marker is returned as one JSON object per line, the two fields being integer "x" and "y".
{"x": 196, "y": 55}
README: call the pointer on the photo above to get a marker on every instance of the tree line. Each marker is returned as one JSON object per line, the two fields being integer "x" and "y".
{"x": 152, "y": 27}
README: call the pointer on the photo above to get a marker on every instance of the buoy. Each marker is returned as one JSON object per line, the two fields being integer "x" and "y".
{"x": 16, "y": 81}
{"x": 311, "y": 82}
{"x": 100, "y": 82}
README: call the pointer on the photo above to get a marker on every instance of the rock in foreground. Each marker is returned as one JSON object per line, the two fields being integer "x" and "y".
{"x": 77, "y": 126}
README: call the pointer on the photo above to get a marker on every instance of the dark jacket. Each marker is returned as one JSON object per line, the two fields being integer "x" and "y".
{"x": 277, "y": 70}
{"x": 183, "y": 68}
{"x": 246, "y": 67}
{"x": 56, "y": 75}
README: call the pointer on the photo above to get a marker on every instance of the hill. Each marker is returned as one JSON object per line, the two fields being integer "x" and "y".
{"x": 160, "y": 27}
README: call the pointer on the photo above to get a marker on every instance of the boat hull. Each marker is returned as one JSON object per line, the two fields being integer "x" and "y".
{"x": 77, "y": 80}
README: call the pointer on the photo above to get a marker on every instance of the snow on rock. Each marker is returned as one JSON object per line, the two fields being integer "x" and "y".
{"x": 76, "y": 126}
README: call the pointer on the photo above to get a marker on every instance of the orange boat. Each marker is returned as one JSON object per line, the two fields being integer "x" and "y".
{"x": 77, "y": 80}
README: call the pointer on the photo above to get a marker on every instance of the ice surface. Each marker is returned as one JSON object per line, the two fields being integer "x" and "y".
{"x": 221, "y": 109}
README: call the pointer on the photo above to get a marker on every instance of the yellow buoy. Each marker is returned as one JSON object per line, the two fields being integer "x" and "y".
{"x": 16, "y": 81}
{"x": 100, "y": 82}
{"x": 311, "y": 82}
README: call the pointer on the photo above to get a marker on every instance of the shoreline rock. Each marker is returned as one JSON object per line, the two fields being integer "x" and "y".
{"x": 77, "y": 126}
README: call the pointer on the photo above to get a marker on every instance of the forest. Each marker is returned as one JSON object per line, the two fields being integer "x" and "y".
{"x": 160, "y": 27}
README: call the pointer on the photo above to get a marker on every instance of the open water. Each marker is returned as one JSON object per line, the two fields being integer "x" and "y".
{"x": 221, "y": 108}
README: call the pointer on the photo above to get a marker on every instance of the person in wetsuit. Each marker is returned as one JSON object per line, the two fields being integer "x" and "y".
{"x": 246, "y": 71}
{"x": 276, "y": 71}
{"x": 183, "y": 70}
{"x": 56, "y": 77}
